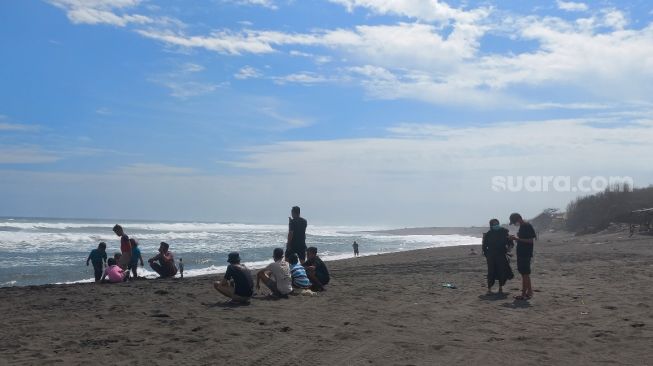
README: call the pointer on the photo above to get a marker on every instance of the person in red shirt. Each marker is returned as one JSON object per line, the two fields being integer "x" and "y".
{"x": 164, "y": 262}
{"x": 125, "y": 247}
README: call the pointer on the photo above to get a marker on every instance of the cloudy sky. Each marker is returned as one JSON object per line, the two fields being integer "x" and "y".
{"x": 387, "y": 112}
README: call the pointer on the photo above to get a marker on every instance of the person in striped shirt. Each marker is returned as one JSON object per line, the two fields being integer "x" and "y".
{"x": 298, "y": 273}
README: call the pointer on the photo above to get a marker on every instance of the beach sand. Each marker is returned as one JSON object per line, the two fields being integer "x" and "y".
{"x": 592, "y": 306}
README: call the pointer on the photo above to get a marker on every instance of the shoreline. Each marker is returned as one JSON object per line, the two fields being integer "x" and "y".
{"x": 259, "y": 265}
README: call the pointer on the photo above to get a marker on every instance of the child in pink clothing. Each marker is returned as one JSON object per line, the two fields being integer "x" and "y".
{"x": 113, "y": 272}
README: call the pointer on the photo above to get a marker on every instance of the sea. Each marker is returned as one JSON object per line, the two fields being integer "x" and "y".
{"x": 37, "y": 251}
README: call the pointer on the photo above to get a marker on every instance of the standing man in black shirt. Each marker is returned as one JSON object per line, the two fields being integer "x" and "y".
{"x": 296, "y": 235}
{"x": 525, "y": 240}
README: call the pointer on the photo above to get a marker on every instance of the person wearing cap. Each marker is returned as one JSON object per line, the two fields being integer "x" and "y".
{"x": 164, "y": 262}
{"x": 276, "y": 276}
{"x": 242, "y": 288}
{"x": 525, "y": 239}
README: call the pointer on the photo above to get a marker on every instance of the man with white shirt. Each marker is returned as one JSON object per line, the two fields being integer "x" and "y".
{"x": 276, "y": 276}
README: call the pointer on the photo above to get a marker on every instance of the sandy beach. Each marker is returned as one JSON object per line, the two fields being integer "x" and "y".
{"x": 592, "y": 306}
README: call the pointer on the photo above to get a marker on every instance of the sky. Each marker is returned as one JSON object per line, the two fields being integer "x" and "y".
{"x": 363, "y": 112}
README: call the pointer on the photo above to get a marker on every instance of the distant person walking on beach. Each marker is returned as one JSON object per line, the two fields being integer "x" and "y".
{"x": 632, "y": 230}
{"x": 242, "y": 288}
{"x": 525, "y": 239}
{"x": 136, "y": 256}
{"x": 296, "y": 235}
{"x": 355, "y": 246}
{"x": 276, "y": 276}
{"x": 316, "y": 270}
{"x": 125, "y": 247}
{"x": 164, "y": 262}
{"x": 99, "y": 258}
{"x": 494, "y": 248}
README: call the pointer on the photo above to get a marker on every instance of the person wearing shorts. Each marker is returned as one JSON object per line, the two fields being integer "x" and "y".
{"x": 237, "y": 283}
{"x": 525, "y": 241}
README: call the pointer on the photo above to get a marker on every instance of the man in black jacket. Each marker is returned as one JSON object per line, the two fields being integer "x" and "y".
{"x": 495, "y": 248}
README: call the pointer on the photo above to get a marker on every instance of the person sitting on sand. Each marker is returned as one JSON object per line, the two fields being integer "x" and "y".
{"x": 113, "y": 272}
{"x": 525, "y": 239}
{"x": 99, "y": 258}
{"x": 164, "y": 262}
{"x": 300, "y": 279}
{"x": 125, "y": 247}
{"x": 136, "y": 256}
{"x": 242, "y": 288}
{"x": 494, "y": 248}
{"x": 276, "y": 276}
{"x": 316, "y": 269}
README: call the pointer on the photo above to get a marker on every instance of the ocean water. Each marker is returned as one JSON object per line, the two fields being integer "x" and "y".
{"x": 44, "y": 251}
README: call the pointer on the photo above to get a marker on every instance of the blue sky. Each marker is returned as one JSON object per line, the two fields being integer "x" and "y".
{"x": 361, "y": 111}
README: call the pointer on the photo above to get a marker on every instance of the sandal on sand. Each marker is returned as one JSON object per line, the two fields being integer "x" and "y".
{"x": 521, "y": 298}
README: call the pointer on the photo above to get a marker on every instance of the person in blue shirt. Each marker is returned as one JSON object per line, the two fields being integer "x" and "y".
{"x": 136, "y": 256}
{"x": 99, "y": 258}
{"x": 298, "y": 273}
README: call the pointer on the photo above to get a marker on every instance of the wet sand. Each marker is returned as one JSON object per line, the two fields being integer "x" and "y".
{"x": 592, "y": 306}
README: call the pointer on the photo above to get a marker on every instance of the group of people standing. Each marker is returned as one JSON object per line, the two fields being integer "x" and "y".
{"x": 497, "y": 245}
{"x": 123, "y": 265}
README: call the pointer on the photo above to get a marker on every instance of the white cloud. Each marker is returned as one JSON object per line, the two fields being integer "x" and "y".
{"x": 306, "y": 78}
{"x": 264, "y": 3}
{"x": 103, "y": 111}
{"x": 248, "y": 72}
{"x": 429, "y": 10}
{"x": 571, "y": 6}
{"x": 156, "y": 169}
{"x": 26, "y": 155}
{"x": 101, "y": 12}
{"x": 553, "y": 147}
{"x": 16, "y": 127}
{"x": 440, "y": 58}
{"x": 190, "y": 67}
{"x": 272, "y": 112}
{"x": 186, "y": 89}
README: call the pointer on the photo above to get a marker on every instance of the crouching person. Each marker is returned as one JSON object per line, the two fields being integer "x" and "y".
{"x": 316, "y": 270}
{"x": 164, "y": 262}
{"x": 276, "y": 276}
{"x": 300, "y": 282}
{"x": 237, "y": 283}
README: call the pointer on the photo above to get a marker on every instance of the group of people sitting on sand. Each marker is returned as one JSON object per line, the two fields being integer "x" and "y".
{"x": 497, "y": 245}
{"x": 297, "y": 270}
{"x": 123, "y": 266}
{"x": 284, "y": 276}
